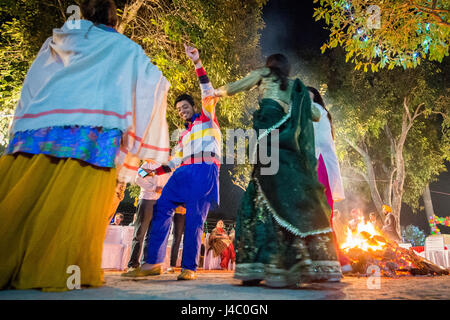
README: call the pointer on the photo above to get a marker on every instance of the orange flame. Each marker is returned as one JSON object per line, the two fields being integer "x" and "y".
{"x": 365, "y": 237}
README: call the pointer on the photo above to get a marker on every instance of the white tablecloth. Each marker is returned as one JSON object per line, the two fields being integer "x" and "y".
{"x": 441, "y": 257}
{"x": 117, "y": 248}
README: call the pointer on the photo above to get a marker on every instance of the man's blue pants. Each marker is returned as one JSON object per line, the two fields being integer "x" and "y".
{"x": 196, "y": 186}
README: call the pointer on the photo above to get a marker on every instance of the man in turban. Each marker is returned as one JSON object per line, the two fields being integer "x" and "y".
{"x": 390, "y": 225}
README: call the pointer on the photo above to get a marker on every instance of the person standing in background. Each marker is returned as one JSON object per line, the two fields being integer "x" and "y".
{"x": 151, "y": 187}
{"x": 373, "y": 219}
{"x": 232, "y": 233}
{"x": 328, "y": 171}
{"x": 179, "y": 220}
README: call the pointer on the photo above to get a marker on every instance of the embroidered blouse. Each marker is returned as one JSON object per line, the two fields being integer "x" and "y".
{"x": 268, "y": 87}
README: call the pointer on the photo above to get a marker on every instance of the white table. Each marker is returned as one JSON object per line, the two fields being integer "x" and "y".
{"x": 117, "y": 248}
{"x": 441, "y": 257}
{"x": 436, "y": 250}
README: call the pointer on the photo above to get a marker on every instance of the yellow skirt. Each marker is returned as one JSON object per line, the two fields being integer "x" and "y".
{"x": 53, "y": 215}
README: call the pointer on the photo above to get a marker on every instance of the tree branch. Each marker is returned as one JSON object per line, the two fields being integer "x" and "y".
{"x": 390, "y": 185}
{"x": 129, "y": 13}
{"x": 434, "y": 13}
{"x": 416, "y": 112}
{"x": 61, "y": 8}
{"x": 361, "y": 151}
{"x": 405, "y": 106}
{"x": 441, "y": 113}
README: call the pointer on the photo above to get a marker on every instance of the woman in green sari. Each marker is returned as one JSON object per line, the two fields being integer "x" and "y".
{"x": 283, "y": 234}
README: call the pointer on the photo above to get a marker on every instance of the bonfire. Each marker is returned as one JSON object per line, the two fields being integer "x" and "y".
{"x": 366, "y": 246}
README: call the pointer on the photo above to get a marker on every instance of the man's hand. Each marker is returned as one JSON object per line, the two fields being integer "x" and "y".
{"x": 192, "y": 53}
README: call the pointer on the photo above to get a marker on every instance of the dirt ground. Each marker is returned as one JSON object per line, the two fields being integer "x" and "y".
{"x": 221, "y": 286}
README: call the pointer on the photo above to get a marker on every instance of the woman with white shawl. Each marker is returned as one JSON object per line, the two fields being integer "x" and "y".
{"x": 92, "y": 102}
{"x": 328, "y": 171}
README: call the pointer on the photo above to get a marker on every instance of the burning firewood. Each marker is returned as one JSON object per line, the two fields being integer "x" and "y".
{"x": 379, "y": 238}
{"x": 366, "y": 235}
{"x": 372, "y": 242}
{"x": 366, "y": 246}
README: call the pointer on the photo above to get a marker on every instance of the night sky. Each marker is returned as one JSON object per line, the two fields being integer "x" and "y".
{"x": 290, "y": 26}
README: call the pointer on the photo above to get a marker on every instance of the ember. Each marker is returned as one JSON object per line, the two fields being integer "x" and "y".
{"x": 365, "y": 246}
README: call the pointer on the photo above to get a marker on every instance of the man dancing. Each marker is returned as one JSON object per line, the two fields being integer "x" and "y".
{"x": 194, "y": 183}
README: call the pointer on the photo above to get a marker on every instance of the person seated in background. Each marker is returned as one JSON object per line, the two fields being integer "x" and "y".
{"x": 375, "y": 221}
{"x": 339, "y": 226}
{"x": 390, "y": 225}
{"x": 118, "y": 219}
{"x": 222, "y": 245}
{"x": 356, "y": 218}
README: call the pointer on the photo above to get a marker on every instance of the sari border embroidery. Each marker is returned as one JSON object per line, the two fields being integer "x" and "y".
{"x": 261, "y": 197}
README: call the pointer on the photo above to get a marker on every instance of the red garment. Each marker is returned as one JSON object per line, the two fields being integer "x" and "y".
{"x": 322, "y": 176}
{"x": 227, "y": 255}
{"x": 222, "y": 247}
{"x": 323, "y": 179}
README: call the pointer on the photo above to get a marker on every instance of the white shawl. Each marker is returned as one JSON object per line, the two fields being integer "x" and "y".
{"x": 92, "y": 77}
{"x": 325, "y": 146}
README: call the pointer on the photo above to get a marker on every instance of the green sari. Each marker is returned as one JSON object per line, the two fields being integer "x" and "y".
{"x": 283, "y": 234}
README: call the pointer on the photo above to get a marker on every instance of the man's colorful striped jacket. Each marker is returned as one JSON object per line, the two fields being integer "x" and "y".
{"x": 202, "y": 140}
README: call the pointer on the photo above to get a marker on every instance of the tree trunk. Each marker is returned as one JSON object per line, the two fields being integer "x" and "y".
{"x": 400, "y": 174}
{"x": 398, "y": 190}
{"x": 376, "y": 198}
{"x": 429, "y": 211}
{"x": 370, "y": 177}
